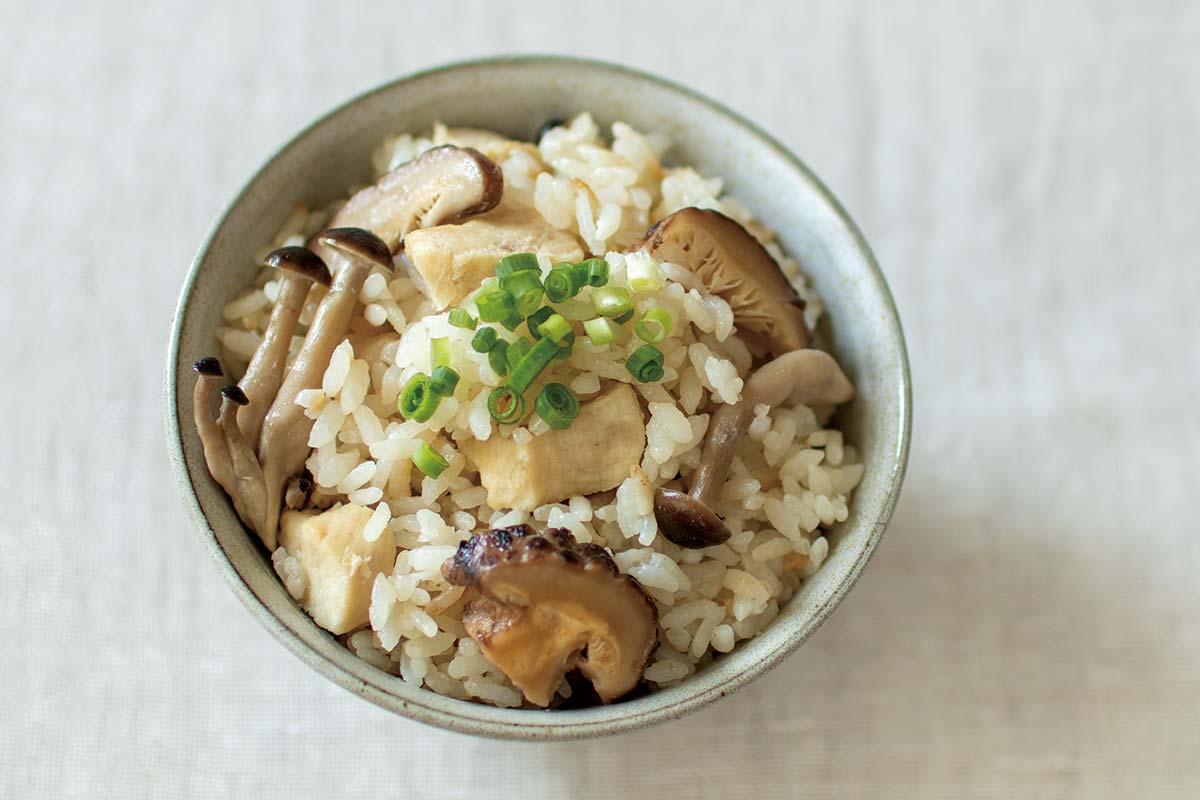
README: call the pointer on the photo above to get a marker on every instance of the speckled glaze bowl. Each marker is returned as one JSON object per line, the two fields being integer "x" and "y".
{"x": 515, "y": 96}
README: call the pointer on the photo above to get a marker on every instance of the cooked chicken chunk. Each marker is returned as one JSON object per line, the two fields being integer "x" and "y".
{"x": 339, "y": 564}
{"x": 593, "y": 455}
{"x": 452, "y": 260}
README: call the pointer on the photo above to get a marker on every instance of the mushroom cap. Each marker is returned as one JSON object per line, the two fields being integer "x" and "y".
{"x": 299, "y": 261}
{"x": 234, "y": 393}
{"x": 441, "y": 185}
{"x": 735, "y": 266}
{"x": 209, "y": 365}
{"x": 358, "y": 243}
{"x": 688, "y": 522}
{"x": 549, "y": 605}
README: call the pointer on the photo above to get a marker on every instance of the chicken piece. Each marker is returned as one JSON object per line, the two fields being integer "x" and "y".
{"x": 594, "y": 454}
{"x": 339, "y": 564}
{"x": 452, "y": 260}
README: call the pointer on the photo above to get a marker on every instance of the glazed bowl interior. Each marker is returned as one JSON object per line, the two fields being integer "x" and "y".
{"x": 515, "y": 96}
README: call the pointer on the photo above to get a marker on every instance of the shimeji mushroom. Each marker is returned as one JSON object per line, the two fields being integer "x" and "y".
{"x": 549, "y": 605}
{"x": 811, "y": 377}
{"x": 299, "y": 269}
{"x": 210, "y": 376}
{"x": 249, "y": 494}
{"x": 283, "y": 446}
{"x": 735, "y": 266}
{"x": 441, "y": 185}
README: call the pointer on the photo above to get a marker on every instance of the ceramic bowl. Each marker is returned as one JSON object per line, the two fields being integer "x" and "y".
{"x": 515, "y": 96}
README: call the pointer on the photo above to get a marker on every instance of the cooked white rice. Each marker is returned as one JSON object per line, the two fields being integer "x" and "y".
{"x": 792, "y": 478}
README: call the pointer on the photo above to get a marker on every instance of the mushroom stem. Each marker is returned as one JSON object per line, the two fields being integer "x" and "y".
{"x": 283, "y": 445}
{"x": 811, "y": 377}
{"x": 299, "y": 269}
{"x": 209, "y": 376}
{"x": 249, "y": 493}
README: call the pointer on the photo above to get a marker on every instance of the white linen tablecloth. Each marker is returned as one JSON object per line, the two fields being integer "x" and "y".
{"x": 1028, "y": 175}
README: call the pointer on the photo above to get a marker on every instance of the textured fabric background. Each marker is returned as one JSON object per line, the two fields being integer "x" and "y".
{"x": 1027, "y": 174}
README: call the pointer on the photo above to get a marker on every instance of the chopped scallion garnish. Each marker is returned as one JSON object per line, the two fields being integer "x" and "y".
{"x": 556, "y": 327}
{"x": 563, "y": 282}
{"x": 439, "y": 352}
{"x": 612, "y": 301}
{"x": 599, "y": 330}
{"x": 506, "y": 405}
{"x": 495, "y": 306}
{"x": 646, "y": 363}
{"x": 525, "y": 288}
{"x": 557, "y": 405}
{"x": 429, "y": 461}
{"x": 516, "y": 351}
{"x": 654, "y": 326}
{"x": 621, "y": 320}
{"x": 517, "y": 262}
{"x": 483, "y": 340}
{"x": 498, "y": 357}
{"x": 532, "y": 364}
{"x": 443, "y": 381}
{"x": 418, "y": 401}
{"x": 537, "y": 318}
{"x": 461, "y": 318}
{"x": 594, "y": 271}
{"x": 643, "y": 272}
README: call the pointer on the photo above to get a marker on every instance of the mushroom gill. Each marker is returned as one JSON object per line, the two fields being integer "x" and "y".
{"x": 549, "y": 605}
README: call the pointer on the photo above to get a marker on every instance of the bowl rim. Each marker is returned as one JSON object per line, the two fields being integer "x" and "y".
{"x": 456, "y": 715}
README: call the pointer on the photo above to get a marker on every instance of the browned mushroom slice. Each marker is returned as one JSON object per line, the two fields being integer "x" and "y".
{"x": 594, "y": 454}
{"x": 734, "y": 265}
{"x": 550, "y": 605}
{"x": 283, "y": 445}
{"x": 811, "y": 377}
{"x": 452, "y": 260}
{"x": 299, "y": 269}
{"x": 441, "y": 185}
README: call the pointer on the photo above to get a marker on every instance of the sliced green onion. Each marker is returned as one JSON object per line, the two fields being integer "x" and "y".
{"x": 418, "y": 401}
{"x": 461, "y": 318}
{"x": 599, "y": 330}
{"x": 443, "y": 381}
{"x": 429, "y": 461}
{"x": 483, "y": 340}
{"x": 556, "y": 327}
{"x": 531, "y": 365}
{"x": 621, "y": 320}
{"x": 537, "y": 318}
{"x": 646, "y": 363}
{"x": 643, "y": 272}
{"x": 525, "y": 287}
{"x": 611, "y": 301}
{"x": 516, "y": 351}
{"x": 595, "y": 271}
{"x": 506, "y": 405}
{"x": 517, "y": 262}
{"x": 654, "y": 326}
{"x": 513, "y": 322}
{"x": 557, "y": 405}
{"x": 563, "y": 282}
{"x": 497, "y": 357}
{"x": 439, "y": 352}
{"x": 495, "y": 306}
{"x": 565, "y": 347}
